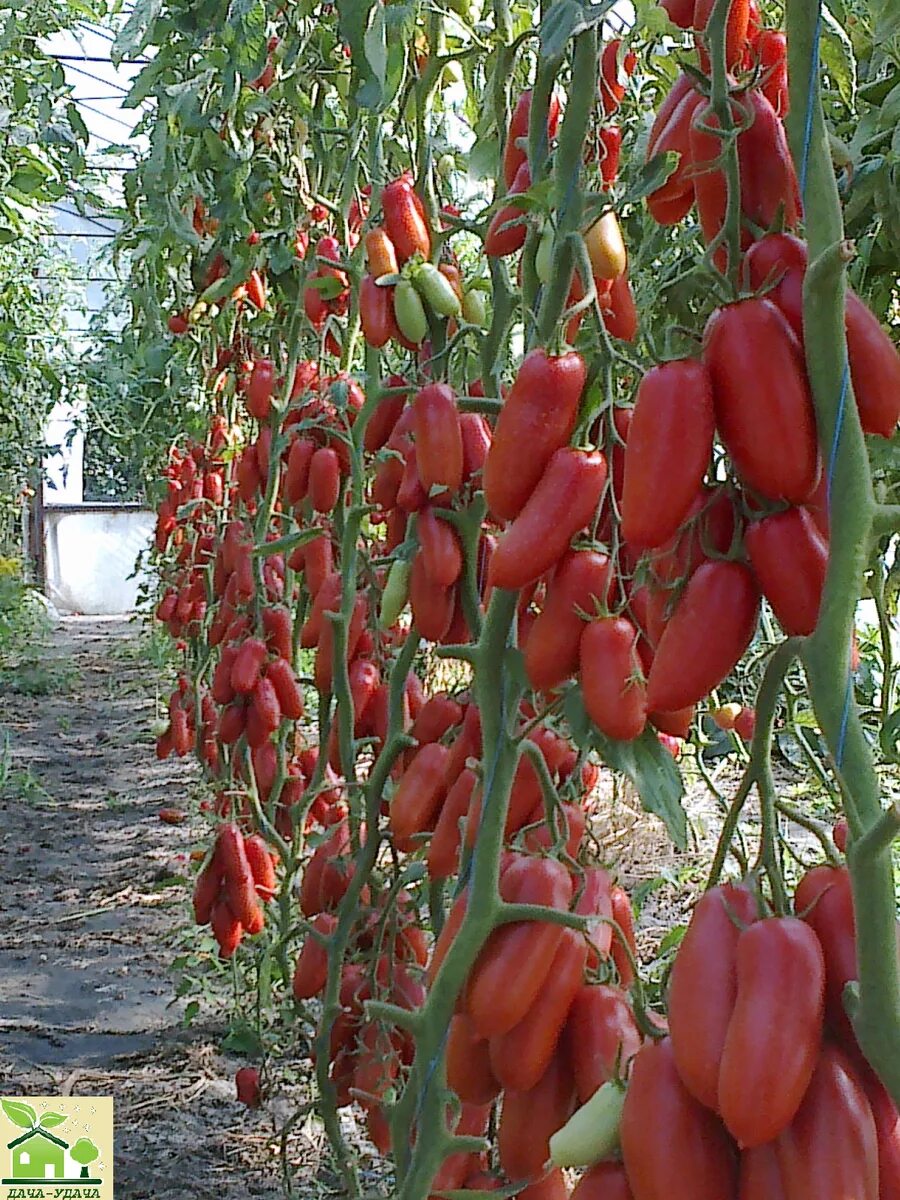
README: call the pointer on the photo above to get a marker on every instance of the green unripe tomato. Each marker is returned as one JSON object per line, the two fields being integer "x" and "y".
{"x": 409, "y": 312}
{"x": 437, "y": 290}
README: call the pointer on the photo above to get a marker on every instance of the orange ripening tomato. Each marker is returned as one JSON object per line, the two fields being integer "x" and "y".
{"x": 789, "y": 558}
{"x": 830, "y": 1149}
{"x": 673, "y": 1147}
{"x": 703, "y": 986}
{"x": 612, "y": 681}
{"x": 780, "y": 998}
{"x": 381, "y": 256}
{"x": 704, "y": 638}
{"x": 671, "y": 437}
{"x": 563, "y": 502}
{"x": 537, "y": 419}
{"x": 601, "y": 1037}
{"x": 582, "y": 579}
{"x": 521, "y": 949}
{"x": 520, "y": 1057}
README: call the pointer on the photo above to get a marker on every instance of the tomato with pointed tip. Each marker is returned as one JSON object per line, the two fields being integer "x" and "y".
{"x": 508, "y": 228}
{"x": 789, "y": 558}
{"x": 439, "y": 448}
{"x": 601, "y": 1037}
{"x": 612, "y": 681}
{"x": 404, "y": 221}
{"x": 537, "y": 419}
{"x": 582, "y": 582}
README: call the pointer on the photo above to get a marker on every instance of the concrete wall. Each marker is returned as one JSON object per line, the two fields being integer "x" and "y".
{"x": 90, "y": 553}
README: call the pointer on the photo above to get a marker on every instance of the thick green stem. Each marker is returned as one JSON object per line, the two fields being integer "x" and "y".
{"x": 826, "y": 656}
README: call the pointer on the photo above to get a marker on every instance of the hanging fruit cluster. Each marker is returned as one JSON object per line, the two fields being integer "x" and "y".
{"x": 587, "y": 533}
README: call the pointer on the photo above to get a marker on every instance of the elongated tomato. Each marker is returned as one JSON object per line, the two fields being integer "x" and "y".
{"x": 522, "y": 950}
{"x": 582, "y": 578}
{"x": 789, "y": 558}
{"x": 441, "y": 552}
{"x": 670, "y": 438}
{"x": 537, "y": 419}
{"x": 780, "y": 998}
{"x": 612, "y": 680}
{"x": 530, "y": 1118}
{"x": 601, "y": 1037}
{"x": 508, "y": 228}
{"x": 830, "y": 1149}
{"x": 520, "y": 1057}
{"x": 703, "y": 986}
{"x": 513, "y": 154}
{"x": 824, "y": 900}
{"x": 874, "y": 369}
{"x": 673, "y": 1147}
{"x": 762, "y": 400}
{"x": 403, "y": 220}
{"x": 416, "y": 802}
{"x": 760, "y": 1177}
{"x": 439, "y": 453}
{"x": 705, "y": 637}
{"x": 469, "y": 1071}
{"x": 564, "y": 501}
{"x": 604, "y": 1181}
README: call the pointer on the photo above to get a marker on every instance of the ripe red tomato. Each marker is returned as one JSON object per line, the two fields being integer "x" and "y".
{"x": 500, "y": 241}
{"x": 404, "y": 221}
{"x": 735, "y": 29}
{"x": 530, "y": 1118}
{"x": 789, "y": 558}
{"x": 830, "y": 1149}
{"x": 513, "y": 154}
{"x": 376, "y": 312}
{"x": 705, "y": 637}
{"x": 469, "y": 1071}
{"x": 601, "y": 1037}
{"x": 604, "y": 1181}
{"x": 824, "y": 899}
{"x": 439, "y": 453}
{"x": 520, "y": 1057}
{"x": 612, "y": 681}
{"x": 673, "y": 1147}
{"x": 537, "y": 419}
{"x": 522, "y": 949}
{"x": 780, "y": 999}
{"x": 563, "y": 502}
{"x": 703, "y": 986}
{"x": 324, "y": 479}
{"x": 582, "y": 578}
{"x": 670, "y": 437}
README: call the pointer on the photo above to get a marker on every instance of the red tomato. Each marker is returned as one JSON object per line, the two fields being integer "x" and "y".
{"x": 420, "y": 792}
{"x": 601, "y": 1037}
{"x": 824, "y": 899}
{"x": 780, "y": 1000}
{"x": 610, "y": 140}
{"x": 432, "y": 605}
{"x": 874, "y": 369}
{"x": 582, "y": 578}
{"x": 441, "y": 551}
{"x": 324, "y": 480}
{"x": 673, "y": 1147}
{"x": 614, "y": 75}
{"x": 562, "y": 503}
{"x": 671, "y": 131}
{"x": 789, "y": 558}
{"x": 612, "y": 681}
{"x": 760, "y": 1177}
{"x": 703, "y": 986}
{"x": 705, "y": 637}
{"x": 830, "y": 1149}
{"x": 681, "y": 12}
{"x": 623, "y": 939}
{"x": 537, "y": 419}
{"x": 513, "y": 154}
{"x": 521, "y": 949}
{"x": 439, "y": 452}
{"x": 404, "y": 221}
{"x": 551, "y": 1187}
{"x": 771, "y": 51}
{"x": 619, "y": 311}
{"x": 530, "y": 1118}
{"x": 670, "y": 437}
{"x": 258, "y": 393}
{"x": 708, "y": 526}
{"x": 735, "y": 29}
{"x": 469, "y": 1071}
{"x": 500, "y": 241}
{"x": 520, "y": 1057}
{"x": 604, "y": 1181}
{"x": 376, "y": 312}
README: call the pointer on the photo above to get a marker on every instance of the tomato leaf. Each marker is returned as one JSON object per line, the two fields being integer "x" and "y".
{"x": 565, "y": 20}
{"x": 648, "y": 765}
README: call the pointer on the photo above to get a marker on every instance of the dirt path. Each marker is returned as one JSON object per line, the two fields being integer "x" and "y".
{"x": 92, "y": 893}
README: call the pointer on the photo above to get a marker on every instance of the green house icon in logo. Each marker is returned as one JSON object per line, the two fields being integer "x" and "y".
{"x": 38, "y": 1155}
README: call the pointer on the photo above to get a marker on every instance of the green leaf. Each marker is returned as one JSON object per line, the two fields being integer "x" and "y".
{"x": 838, "y": 57}
{"x": 136, "y": 32}
{"x": 51, "y": 1119}
{"x": 565, "y": 20}
{"x": 375, "y": 49}
{"x": 651, "y": 176}
{"x": 19, "y": 1113}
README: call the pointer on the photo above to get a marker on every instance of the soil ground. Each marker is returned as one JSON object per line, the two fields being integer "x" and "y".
{"x": 92, "y": 894}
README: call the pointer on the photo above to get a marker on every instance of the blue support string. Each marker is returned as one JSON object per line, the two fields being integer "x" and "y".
{"x": 813, "y": 73}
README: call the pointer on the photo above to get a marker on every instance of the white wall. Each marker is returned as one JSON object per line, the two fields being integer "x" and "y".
{"x": 90, "y": 554}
